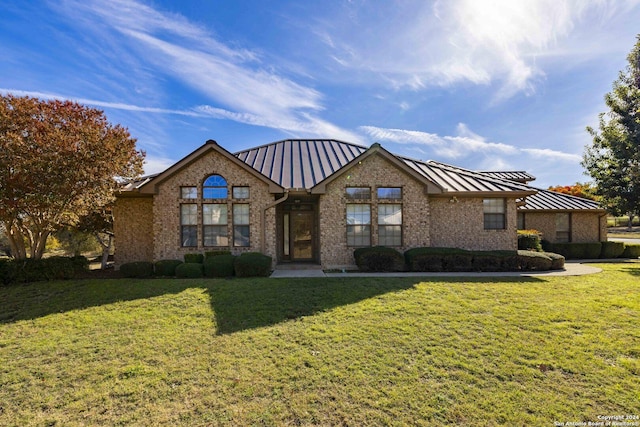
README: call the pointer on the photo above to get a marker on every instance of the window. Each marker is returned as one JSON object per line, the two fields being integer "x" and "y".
{"x": 214, "y": 224}
{"x": 392, "y": 193}
{"x": 188, "y": 192}
{"x": 494, "y": 214}
{"x": 240, "y": 192}
{"x": 189, "y": 224}
{"x": 214, "y": 187}
{"x": 241, "y": 224}
{"x": 521, "y": 223}
{"x": 563, "y": 227}
{"x": 390, "y": 225}
{"x": 358, "y": 225}
{"x": 358, "y": 193}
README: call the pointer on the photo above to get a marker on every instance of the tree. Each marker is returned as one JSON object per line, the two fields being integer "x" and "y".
{"x": 60, "y": 160}
{"x": 584, "y": 190}
{"x": 99, "y": 223}
{"x": 613, "y": 161}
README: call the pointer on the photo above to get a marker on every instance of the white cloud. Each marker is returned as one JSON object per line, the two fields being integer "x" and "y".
{"x": 154, "y": 165}
{"x": 467, "y": 144}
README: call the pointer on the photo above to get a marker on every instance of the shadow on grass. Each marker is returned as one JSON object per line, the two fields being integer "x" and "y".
{"x": 34, "y": 300}
{"x": 246, "y": 304}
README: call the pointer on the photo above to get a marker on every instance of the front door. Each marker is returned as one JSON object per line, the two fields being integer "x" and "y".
{"x": 299, "y": 238}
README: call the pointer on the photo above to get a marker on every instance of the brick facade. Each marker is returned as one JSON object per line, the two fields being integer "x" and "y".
{"x": 133, "y": 228}
{"x": 585, "y": 226}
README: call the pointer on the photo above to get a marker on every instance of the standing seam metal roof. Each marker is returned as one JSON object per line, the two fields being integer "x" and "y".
{"x": 550, "y": 200}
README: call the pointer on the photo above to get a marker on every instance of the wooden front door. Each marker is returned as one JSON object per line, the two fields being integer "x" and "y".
{"x": 299, "y": 237}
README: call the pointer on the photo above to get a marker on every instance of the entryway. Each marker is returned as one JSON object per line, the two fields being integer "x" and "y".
{"x": 298, "y": 230}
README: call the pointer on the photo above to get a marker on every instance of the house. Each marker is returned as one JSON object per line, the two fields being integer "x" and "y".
{"x": 318, "y": 200}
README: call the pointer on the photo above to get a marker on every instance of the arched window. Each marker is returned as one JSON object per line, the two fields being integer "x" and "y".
{"x": 214, "y": 187}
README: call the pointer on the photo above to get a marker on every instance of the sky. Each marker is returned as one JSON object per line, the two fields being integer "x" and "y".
{"x": 480, "y": 84}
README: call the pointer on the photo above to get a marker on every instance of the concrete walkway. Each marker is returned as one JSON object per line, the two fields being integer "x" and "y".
{"x": 572, "y": 268}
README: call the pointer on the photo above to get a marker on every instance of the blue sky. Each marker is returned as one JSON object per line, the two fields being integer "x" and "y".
{"x": 487, "y": 85}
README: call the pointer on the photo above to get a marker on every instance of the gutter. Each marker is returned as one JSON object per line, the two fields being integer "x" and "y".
{"x": 263, "y": 220}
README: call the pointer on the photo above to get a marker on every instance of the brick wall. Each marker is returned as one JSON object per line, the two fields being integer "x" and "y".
{"x": 585, "y": 226}
{"x": 133, "y": 228}
{"x": 166, "y": 209}
{"x": 374, "y": 171}
{"x": 460, "y": 224}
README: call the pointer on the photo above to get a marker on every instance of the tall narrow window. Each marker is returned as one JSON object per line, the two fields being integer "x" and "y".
{"x": 189, "y": 224}
{"x": 358, "y": 224}
{"x": 521, "y": 223}
{"x": 214, "y": 224}
{"x": 494, "y": 214}
{"x": 241, "y": 224}
{"x": 215, "y": 187}
{"x": 390, "y": 225}
{"x": 563, "y": 227}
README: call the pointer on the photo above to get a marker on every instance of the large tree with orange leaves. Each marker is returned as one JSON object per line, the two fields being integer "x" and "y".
{"x": 59, "y": 161}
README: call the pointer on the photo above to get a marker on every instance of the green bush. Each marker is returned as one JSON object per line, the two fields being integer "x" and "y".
{"x": 611, "y": 250}
{"x": 536, "y": 261}
{"x": 424, "y": 259}
{"x": 80, "y": 263}
{"x": 193, "y": 258}
{"x": 137, "y": 269}
{"x": 190, "y": 270}
{"x": 461, "y": 260}
{"x": 529, "y": 241}
{"x": 34, "y": 270}
{"x": 166, "y": 267}
{"x": 577, "y": 250}
{"x": 252, "y": 264}
{"x": 378, "y": 258}
{"x": 557, "y": 260}
{"x": 220, "y": 265}
{"x": 494, "y": 260}
{"x": 631, "y": 250}
{"x": 211, "y": 254}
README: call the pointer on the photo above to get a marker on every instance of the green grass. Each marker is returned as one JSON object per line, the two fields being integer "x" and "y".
{"x": 347, "y": 351}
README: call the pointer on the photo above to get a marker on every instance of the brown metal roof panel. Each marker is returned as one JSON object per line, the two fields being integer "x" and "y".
{"x": 308, "y": 164}
{"x": 316, "y": 162}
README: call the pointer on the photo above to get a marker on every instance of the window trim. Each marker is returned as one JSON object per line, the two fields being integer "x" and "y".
{"x": 366, "y": 228}
{"x": 188, "y": 226}
{"x": 386, "y": 226}
{"x": 391, "y": 191}
{"x": 488, "y": 222}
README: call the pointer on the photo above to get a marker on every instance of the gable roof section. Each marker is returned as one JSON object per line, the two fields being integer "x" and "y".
{"x": 151, "y": 185}
{"x": 298, "y": 163}
{"x": 459, "y": 181}
{"x": 545, "y": 200}
{"x": 517, "y": 176}
{"x": 376, "y": 149}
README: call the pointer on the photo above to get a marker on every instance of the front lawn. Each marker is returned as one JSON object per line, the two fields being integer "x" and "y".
{"x": 352, "y": 351}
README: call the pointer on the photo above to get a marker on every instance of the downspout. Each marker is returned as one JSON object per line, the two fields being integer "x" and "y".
{"x": 263, "y": 220}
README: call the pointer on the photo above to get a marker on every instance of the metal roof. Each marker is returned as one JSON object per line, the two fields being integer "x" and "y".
{"x": 299, "y": 163}
{"x": 456, "y": 179}
{"x": 517, "y": 176}
{"x": 134, "y": 185}
{"x": 550, "y": 200}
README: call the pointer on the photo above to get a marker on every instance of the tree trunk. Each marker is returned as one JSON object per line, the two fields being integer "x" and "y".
{"x": 106, "y": 248}
{"x": 630, "y": 225}
{"x": 16, "y": 241}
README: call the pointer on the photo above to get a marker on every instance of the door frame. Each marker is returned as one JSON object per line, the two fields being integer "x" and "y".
{"x": 285, "y": 232}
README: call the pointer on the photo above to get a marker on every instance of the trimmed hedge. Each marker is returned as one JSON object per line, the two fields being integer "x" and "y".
{"x": 611, "y": 250}
{"x": 34, "y": 270}
{"x": 193, "y": 258}
{"x": 219, "y": 265}
{"x": 432, "y": 259}
{"x": 378, "y": 258}
{"x": 577, "y": 250}
{"x": 557, "y": 261}
{"x": 529, "y": 241}
{"x": 166, "y": 267}
{"x": 536, "y": 261}
{"x": 252, "y": 264}
{"x": 137, "y": 269}
{"x": 495, "y": 260}
{"x": 211, "y": 254}
{"x": 189, "y": 270}
{"x": 631, "y": 250}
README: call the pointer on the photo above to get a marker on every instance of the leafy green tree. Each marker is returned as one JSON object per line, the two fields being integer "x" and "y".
{"x": 613, "y": 160}
{"x": 60, "y": 160}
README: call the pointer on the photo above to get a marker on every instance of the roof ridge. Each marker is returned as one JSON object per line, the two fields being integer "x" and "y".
{"x": 237, "y": 153}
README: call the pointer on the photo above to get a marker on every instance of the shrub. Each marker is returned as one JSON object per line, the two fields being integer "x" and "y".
{"x": 80, "y": 263}
{"x": 189, "y": 270}
{"x": 557, "y": 260}
{"x": 424, "y": 259}
{"x": 493, "y": 260}
{"x": 252, "y": 264}
{"x": 529, "y": 240}
{"x": 34, "y": 270}
{"x": 631, "y": 250}
{"x": 193, "y": 258}
{"x": 611, "y": 250}
{"x": 166, "y": 267}
{"x": 378, "y": 258}
{"x": 137, "y": 269}
{"x": 211, "y": 254}
{"x": 459, "y": 260}
{"x": 220, "y": 265}
{"x": 577, "y": 250}
{"x": 537, "y": 261}
{"x": 7, "y": 271}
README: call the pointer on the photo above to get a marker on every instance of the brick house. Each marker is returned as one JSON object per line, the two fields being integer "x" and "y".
{"x": 317, "y": 200}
